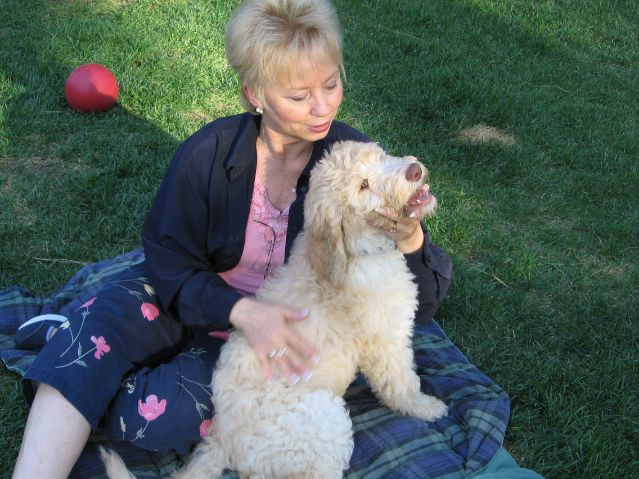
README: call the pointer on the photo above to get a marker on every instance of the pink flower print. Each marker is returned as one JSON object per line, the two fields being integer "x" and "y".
{"x": 88, "y": 303}
{"x": 151, "y": 409}
{"x": 149, "y": 311}
{"x": 205, "y": 426}
{"x": 101, "y": 346}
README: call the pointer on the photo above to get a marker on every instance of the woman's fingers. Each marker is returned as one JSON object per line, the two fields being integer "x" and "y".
{"x": 307, "y": 352}
{"x": 279, "y": 348}
{"x": 404, "y": 230}
{"x": 303, "y": 347}
{"x": 290, "y": 366}
{"x": 294, "y": 356}
{"x": 397, "y": 226}
{"x": 288, "y": 363}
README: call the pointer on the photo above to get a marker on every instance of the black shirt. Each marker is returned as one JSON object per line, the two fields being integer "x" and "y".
{"x": 197, "y": 222}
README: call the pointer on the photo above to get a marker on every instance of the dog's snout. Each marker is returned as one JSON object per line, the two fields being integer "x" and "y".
{"x": 414, "y": 172}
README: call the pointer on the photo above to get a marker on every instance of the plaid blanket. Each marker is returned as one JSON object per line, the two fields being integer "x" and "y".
{"x": 461, "y": 445}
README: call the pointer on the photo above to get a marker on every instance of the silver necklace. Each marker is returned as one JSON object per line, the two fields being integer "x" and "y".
{"x": 268, "y": 147}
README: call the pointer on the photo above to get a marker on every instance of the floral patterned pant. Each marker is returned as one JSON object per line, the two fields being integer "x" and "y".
{"x": 131, "y": 369}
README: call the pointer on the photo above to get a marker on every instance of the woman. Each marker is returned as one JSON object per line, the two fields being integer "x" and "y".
{"x": 137, "y": 358}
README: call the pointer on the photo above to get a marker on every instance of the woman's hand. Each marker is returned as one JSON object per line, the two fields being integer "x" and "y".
{"x": 404, "y": 227}
{"x": 278, "y": 347}
{"x": 405, "y": 231}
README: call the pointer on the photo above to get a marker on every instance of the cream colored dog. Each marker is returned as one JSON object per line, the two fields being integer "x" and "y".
{"x": 362, "y": 302}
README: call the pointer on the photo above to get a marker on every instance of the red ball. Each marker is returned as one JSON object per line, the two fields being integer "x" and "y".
{"x": 91, "y": 87}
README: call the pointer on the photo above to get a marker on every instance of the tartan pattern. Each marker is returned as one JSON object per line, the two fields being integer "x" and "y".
{"x": 388, "y": 445}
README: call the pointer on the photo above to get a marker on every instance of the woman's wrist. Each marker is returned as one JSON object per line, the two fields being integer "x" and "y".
{"x": 239, "y": 311}
{"x": 413, "y": 243}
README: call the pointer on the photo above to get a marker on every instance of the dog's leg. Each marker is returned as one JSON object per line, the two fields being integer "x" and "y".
{"x": 115, "y": 467}
{"x": 207, "y": 461}
{"x": 390, "y": 372}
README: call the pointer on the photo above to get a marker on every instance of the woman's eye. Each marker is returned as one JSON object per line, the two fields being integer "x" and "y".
{"x": 298, "y": 98}
{"x": 364, "y": 185}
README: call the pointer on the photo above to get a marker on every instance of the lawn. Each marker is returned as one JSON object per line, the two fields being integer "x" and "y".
{"x": 526, "y": 112}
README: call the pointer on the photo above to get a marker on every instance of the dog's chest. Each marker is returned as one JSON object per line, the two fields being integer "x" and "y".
{"x": 378, "y": 291}
{"x": 382, "y": 276}
{"x": 379, "y": 296}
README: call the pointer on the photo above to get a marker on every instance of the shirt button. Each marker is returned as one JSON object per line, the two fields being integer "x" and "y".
{"x": 304, "y": 189}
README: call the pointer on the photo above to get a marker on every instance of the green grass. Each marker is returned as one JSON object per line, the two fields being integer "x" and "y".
{"x": 542, "y": 228}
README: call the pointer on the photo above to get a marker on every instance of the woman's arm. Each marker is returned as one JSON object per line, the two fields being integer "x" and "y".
{"x": 175, "y": 236}
{"x": 430, "y": 265}
{"x": 433, "y": 270}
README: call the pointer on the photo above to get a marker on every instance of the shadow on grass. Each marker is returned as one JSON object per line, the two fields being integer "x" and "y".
{"x": 73, "y": 187}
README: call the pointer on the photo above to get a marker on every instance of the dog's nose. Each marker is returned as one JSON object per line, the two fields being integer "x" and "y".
{"x": 414, "y": 172}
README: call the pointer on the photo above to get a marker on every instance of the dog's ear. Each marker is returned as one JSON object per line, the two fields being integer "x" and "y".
{"x": 325, "y": 249}
{"x": 324, "y": 213}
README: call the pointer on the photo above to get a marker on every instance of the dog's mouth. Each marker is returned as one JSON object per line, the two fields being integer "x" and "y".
{"x": 421, "y": 197}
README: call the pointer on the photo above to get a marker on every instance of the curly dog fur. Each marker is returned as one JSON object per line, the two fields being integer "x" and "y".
{"x": 362, "y": 302}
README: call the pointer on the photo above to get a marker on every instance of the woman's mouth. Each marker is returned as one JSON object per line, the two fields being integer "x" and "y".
{"x": 319, "y": 128}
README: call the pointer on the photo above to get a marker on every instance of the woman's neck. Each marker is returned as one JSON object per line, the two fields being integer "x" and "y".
{"x": 296, "y": 151}
{"x": 279, "y": 166}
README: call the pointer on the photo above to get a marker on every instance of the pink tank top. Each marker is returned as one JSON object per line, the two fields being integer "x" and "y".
{"x": 263, "y": 246}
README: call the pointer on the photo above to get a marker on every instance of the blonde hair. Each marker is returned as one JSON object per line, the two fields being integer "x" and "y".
{"x": 265, "y": 38}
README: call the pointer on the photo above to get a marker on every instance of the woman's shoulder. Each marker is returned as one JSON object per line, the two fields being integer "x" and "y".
{"x": 221, "y": 131}
{"x": 215, "y": 140}
{"x": 341, "y": 131}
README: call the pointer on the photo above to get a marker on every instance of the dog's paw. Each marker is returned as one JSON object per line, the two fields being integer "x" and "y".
{"x": 428, "y": 408}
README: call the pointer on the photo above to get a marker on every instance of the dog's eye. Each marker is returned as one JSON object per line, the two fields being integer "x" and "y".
{"x": 364, "y": 185}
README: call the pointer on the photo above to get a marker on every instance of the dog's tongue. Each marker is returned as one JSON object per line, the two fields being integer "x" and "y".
{"x": 421, "y": 195}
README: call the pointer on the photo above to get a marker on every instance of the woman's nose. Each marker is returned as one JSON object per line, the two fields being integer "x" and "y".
{"x": 321, "y": 105}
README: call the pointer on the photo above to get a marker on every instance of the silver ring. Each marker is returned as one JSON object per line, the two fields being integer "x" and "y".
{"x": 282, "y": 352}
{"x": 393, "y": 229}
{"x": 277, "y": 353}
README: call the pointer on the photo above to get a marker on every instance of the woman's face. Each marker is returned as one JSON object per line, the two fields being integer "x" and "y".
{"x": 303, "y": 105}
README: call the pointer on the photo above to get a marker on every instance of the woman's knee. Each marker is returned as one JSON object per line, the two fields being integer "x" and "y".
{"x": 102, "y": 341}
{"x": 168, "y": 407}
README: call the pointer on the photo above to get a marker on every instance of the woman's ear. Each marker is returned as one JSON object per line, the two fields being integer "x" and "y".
{"x": 252, "y": 97}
